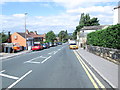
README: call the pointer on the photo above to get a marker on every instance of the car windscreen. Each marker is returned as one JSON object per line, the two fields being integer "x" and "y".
{"x": 36, "y": 44}
{"x": 73, "y": 44}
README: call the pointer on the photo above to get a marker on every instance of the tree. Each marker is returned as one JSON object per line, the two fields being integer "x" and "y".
{"x": 63, "y": 36}
{"x": 3, "y": 37}
{"x": 74, "y": 35}
{"x": 85, "y": 20}
{"x": 50, "y": 36}
{"x": 94, "y": 22}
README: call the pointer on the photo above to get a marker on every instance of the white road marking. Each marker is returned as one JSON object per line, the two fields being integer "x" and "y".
{"x": 42, "y": 57}
{"x": 32, "y": 62}
{"x": 35, "y": 58}
{"x": 34, "y": 52}
{"x": 59, "y": 49}
{"x": 12, "y": 85}
{"x": 46, "y": 59}
{"x": 8, "y": 76}
{"x": 50, "y": 53}
{"x": 32, "y": 59}
{"x": 55, "y": 52}
{"x": 2, "y": 71}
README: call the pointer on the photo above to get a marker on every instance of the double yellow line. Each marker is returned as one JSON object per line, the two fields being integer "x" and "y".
{"x": 90, "y": 74}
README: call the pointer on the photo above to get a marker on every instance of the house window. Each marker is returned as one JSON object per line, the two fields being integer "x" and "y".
{"x": 15, "y": 37}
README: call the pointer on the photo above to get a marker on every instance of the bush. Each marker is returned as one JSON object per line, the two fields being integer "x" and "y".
{"x": 109, "y": 37}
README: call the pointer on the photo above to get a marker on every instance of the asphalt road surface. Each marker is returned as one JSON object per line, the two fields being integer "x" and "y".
{"x": 56, "y": 67}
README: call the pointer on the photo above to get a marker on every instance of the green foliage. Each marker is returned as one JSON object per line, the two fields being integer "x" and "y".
{"x": 3, "y": 37}
{"x": 46, "y": 41}
{"x": 50, "y": 36}
{"x": 93, "y": 22}
{"x": 63, "y": 36}
{"x": 75, "y": 35}
{"x": 85, "y": 20}
{"x": 109, "y": 37}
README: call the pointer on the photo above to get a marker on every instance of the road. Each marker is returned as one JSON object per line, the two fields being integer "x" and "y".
{"x": 56, "y": 67}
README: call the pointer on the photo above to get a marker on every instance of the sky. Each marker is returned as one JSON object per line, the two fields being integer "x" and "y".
{"x": 56, "y": 15}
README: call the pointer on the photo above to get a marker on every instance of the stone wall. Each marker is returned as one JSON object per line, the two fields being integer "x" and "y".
{"x": 107, "y": 53}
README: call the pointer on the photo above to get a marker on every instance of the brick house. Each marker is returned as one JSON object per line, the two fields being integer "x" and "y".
{"x": 31, "y": 37}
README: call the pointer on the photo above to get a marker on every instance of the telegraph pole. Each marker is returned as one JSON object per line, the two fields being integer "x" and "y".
{"x": 25, "y": 29}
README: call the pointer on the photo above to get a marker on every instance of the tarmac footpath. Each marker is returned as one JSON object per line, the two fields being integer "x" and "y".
{"x": 106, "y": 69}
{"x": 9, "y": 55}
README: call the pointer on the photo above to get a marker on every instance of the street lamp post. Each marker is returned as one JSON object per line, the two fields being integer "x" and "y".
{"x": 25, "y": 30}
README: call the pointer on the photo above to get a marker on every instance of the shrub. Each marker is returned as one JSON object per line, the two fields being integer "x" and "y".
{"x": 109, "y": 37}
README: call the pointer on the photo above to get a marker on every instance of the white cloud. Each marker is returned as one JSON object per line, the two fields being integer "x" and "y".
{"x": 93, "y": 9}
{"x": 81, "y": 3}
{"x": 105, "y": 19}
{"x": 40, "y": 23}
{"x": 19, "y": 15}
{"x": 67, "y": 20}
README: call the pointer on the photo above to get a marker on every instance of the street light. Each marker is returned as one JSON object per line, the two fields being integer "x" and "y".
{"x": 25, "y": 29}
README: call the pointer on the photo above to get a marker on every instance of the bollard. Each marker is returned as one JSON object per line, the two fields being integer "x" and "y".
{"x": 9, "y": 50}
{"x": 5, "y": 49}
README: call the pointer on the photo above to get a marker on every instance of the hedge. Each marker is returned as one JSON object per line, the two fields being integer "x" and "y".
{"x": 109, "y": 37}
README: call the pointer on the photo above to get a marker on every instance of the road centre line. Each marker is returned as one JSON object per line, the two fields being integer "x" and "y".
{"x": 12, "y": 85}
{"x": 97, "y": 80}
{"x": 46, "y": 59}
{"x": 88, "y": 74}
{"x": 9, "y": 76}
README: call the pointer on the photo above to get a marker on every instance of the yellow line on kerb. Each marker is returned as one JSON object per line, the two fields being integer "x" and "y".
{"x": 87, "y": 69}
{"x": 90, "y": 77}
{"x": 98, "y": 81}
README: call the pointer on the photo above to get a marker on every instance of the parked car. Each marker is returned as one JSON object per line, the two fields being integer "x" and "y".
{"x": 47, "y": 45}
{"x": 37, "y": 47}
{"x": 16, "y": 47}
{"x": 55, "y": 44}
{"x": 59, "y": 43}
{"x": 50, "y": 44}
{"x": 44, "y": 45}
{"x": 73, "y": 46}
{"x": 11, "y": 47}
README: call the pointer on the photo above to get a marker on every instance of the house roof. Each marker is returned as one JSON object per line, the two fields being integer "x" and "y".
{"x": 91, "y": 28}
{"x": 94, "y": 27}
{"x": 31, "y": 34}
{"x": 117, "y": 7}
{"x": 43, "y": 35}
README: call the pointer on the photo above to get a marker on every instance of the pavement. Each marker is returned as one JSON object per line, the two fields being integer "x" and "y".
{"x": 9, "y": 55}
{"x": 106, "y": 69}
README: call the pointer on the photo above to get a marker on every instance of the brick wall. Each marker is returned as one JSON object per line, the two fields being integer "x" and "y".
{"x": 16, "y": 38}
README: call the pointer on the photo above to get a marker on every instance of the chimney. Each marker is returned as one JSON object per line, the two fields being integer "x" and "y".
{"x": 27, "y": 32}
{"x": 35, "y": 32}
{"x": 9, "y": 37}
